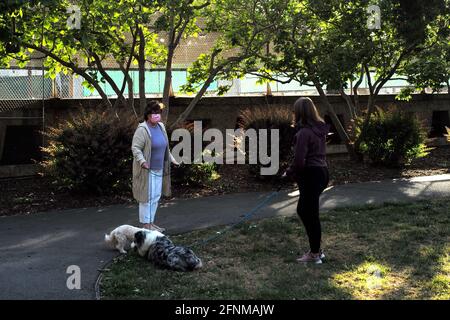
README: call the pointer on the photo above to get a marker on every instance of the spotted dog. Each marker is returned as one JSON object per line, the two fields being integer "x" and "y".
{"x": 163, "y": 253}
{"x": 121, "y": 237}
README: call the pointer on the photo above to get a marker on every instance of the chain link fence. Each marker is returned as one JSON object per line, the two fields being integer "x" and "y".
{"x": 17, "y": 86}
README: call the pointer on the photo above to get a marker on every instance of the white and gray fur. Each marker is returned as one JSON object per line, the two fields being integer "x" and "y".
{"x": 143, "y": 239}
{"x": 121, "y": 237}
{"x": 163, "y": 253}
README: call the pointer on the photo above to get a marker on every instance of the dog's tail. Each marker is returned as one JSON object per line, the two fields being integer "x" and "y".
{"x": 109, "y": 239}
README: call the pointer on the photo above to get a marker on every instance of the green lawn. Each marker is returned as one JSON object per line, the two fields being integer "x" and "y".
{"x": 394, "y": 251}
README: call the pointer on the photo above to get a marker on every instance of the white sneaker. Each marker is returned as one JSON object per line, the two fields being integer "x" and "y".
{"x": 322, "y": 255}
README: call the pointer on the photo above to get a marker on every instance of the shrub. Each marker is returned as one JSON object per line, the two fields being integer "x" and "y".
{"x": 194, "y": 174}
{"x": 280, "y": 118}
{"x": 91, "y": 152}
{"x": 393, "y": 138}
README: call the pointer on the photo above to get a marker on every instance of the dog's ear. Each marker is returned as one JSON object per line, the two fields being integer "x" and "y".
{"x": 139, "y": 238}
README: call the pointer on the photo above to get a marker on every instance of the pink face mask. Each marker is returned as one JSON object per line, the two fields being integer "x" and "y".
{"x": 156, "y": 117}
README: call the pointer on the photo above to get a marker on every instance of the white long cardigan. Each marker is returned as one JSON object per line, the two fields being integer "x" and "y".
{"x": 141, "y": 148}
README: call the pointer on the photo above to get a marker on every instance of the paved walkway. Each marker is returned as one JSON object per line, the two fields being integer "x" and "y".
{"x": 36, "y": 250}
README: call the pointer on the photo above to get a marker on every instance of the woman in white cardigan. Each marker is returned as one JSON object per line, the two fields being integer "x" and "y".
{"x": 151, "y": 165}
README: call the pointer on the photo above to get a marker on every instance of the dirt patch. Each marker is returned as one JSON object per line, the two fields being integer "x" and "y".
{"x": 344, "y": 171}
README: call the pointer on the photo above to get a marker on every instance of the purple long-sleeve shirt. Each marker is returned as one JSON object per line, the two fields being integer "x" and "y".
{"x": 309, "y": 148}
{"x": 159, "y": 145}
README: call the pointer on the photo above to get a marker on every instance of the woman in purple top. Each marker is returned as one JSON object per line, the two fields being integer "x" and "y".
{"x": 309, "y": 169}
{"x": 151, "y": 165}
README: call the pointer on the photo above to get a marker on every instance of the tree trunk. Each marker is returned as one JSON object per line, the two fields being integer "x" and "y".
{"x": 105, "y": 75}
{"x": 194, "y": 102}
{"x": 356, "y": 95}
{"x": 336, "y": 122}
{"x": 212, "y": 74}
{"x": 330, "y": 109}
{"x": 349, "y": 102}
{"x": 129, "y": 82}
{"x": 370, "y": 109}
{"x": 370, "y": 106}
{"x": 141, "y": 62}
{"x": 131, "y": 95}
{"x": 105, "y": 99}
{"x": 168, "y": 83}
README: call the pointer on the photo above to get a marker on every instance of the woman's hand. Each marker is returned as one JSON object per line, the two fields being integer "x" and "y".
{"x": 145, "y": 165}
{"x": 172, "y": 159}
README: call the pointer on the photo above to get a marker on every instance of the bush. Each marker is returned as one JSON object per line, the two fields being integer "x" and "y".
{"x": 195, "y": 174}
{"x": 393, "y": 138}
{"x": 91, "y": 152}
{"x": 280, "y": 118}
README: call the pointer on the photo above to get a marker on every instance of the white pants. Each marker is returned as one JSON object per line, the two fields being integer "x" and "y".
{"x": 147, "y": 210}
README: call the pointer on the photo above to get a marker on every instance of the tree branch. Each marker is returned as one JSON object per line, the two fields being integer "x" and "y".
{"x": 73, "y": 67}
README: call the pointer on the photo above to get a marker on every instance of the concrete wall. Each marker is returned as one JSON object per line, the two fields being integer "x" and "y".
{"x": 221, "y": 112}
{"x": 224, "y": 111}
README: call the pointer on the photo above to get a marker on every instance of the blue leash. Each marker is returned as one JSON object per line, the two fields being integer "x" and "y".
{"x": 246, "y": 217}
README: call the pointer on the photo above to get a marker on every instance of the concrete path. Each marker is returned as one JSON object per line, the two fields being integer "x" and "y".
{"x": 36, "y": 250}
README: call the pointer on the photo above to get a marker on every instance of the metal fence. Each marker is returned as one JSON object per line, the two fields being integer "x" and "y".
{"x": 17, "y": 86}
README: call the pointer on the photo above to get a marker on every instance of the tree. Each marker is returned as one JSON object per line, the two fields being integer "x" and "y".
{"x": 108, "y": 30}
{"x": 178, "y": 19}
{"x": 125, "y": 32}
{"x": 328, "y": 44}
{"x": 430, "y": 68}
{"x": 10, "y": 10}
{"x": 243, "y": 31}
{"x": 318, "y": 43}
{"x": 397, "y": 42}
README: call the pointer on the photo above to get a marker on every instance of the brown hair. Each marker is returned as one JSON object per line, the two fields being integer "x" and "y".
{"x": 306, "y": 112}
{"x": 153, "y": 106}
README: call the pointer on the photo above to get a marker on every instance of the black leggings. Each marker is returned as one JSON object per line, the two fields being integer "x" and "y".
{"x": 311, "y": 184}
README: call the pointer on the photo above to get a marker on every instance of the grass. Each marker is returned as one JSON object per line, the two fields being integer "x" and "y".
{"x": 393, "y": 251}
